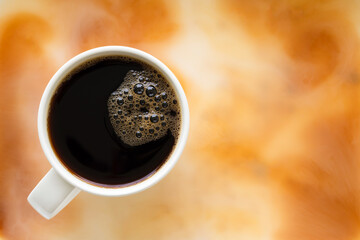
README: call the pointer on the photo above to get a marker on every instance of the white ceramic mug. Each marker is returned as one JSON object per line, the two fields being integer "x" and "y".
{"x": 60, "y": 186}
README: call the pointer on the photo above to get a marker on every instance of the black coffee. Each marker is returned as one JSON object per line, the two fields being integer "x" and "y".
{"x": 114, "y": 121}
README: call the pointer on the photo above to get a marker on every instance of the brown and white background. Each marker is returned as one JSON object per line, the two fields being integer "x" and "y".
{"x": 274, "y": 93}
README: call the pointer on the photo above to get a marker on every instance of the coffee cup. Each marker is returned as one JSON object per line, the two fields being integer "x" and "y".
{"x": 60, "y": 185}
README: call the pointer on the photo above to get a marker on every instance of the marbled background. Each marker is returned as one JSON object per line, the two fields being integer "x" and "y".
{"x": 273, "y": 89}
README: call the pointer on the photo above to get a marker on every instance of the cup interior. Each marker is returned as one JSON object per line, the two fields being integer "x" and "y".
{"x": 56, "y": 81}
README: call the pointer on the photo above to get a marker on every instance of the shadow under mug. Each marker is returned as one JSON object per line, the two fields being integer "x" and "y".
{"x": 59, "y": 186}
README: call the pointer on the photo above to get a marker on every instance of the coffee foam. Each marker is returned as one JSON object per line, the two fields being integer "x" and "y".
{"x": 144, "y": 108}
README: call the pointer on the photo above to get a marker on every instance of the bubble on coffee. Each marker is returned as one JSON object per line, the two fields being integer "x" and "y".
{"x": 147, "y": 106}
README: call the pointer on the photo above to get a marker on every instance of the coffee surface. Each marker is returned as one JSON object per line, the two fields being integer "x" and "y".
{"x": 85, "y": 134}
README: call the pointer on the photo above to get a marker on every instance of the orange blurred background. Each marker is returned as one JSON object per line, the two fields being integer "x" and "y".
{"x": 273, "y": 89}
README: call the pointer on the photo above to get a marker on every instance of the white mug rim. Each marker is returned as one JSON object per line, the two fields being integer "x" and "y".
{"x": 56, "y": 81}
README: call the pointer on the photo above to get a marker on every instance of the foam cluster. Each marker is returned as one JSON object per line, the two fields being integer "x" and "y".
{"x": 143, "y": 108}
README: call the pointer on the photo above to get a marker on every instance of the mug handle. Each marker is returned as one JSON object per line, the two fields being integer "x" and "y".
{"x": 51, "y": 194}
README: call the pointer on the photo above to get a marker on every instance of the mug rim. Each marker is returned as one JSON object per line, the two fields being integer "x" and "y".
{"x": 56, "y": 81}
